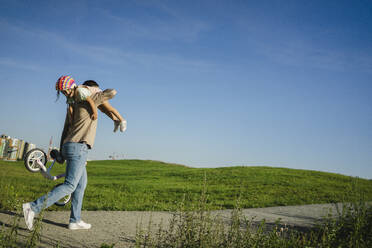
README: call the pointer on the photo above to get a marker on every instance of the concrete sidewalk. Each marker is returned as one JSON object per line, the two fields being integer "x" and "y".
{"x": 119, "y": 227}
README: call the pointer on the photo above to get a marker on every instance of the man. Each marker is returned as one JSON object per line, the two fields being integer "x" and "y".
{"x": 77, "y": 137}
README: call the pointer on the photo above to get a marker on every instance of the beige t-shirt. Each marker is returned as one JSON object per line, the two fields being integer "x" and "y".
{"x": 82, "y": 128}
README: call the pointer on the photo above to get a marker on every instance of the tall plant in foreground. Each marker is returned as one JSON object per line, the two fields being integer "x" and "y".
{"x": 351, "y": 227}
{"x": 9, "y": 237}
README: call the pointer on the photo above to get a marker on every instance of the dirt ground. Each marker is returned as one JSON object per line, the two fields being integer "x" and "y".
{"x": 119, "y": 227}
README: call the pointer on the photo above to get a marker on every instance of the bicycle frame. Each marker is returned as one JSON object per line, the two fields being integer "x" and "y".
{"x": 46, "y": 171}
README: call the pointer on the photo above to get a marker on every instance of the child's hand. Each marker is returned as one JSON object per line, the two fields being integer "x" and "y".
{"x": 93, "y": 108}
{"x": 94, "y": 116}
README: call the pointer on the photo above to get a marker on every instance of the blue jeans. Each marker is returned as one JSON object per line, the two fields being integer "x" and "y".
{"x": 75, "y": 181}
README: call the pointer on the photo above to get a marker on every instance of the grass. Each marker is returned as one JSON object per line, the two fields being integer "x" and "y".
{"x": 149, "y": 185}
{"x": 153, "y": 185}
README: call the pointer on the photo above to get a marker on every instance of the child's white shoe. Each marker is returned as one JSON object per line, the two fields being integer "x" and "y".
{"x": 116, "y": 126}
{"x": 123, "y": 126}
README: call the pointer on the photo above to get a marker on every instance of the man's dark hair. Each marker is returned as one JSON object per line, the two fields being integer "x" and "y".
{"x": 91, "y": 83}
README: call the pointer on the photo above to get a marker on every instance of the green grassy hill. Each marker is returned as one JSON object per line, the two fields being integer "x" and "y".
{"x": 153, "y": 185}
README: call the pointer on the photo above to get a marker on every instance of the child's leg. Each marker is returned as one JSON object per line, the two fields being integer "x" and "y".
{"x": 110, "y": 111}
{"x": 109, "y": 114}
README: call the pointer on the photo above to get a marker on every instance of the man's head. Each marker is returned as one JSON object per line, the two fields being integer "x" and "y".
{"x": 91, "y": 83}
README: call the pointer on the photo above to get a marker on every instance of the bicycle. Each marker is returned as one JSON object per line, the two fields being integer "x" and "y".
{"x": 36, "y": 160}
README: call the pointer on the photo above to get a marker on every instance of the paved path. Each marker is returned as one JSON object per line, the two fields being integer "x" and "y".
{"x": 119, "y": 227}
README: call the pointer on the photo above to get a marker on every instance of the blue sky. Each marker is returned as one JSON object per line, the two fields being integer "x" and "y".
{"x": 201, "y": 83}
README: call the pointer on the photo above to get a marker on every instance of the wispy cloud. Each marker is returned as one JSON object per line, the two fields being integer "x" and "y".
{"x": 101, "y": 54}
{"x": 314, "y": 47}
{"x": 305, "y": 54}
{"x": 175, "y": 27}
{"x": 20, "y": 64}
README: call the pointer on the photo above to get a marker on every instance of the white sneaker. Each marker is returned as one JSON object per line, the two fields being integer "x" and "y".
{"x": 123, "y": 126}
{"x": 79, "y": 225}
{"x": 116, "y": 126}
{"x": 29, "y": 215}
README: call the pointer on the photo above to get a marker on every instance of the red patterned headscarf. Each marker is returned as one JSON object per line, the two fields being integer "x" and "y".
{"x": 65, "y": 82}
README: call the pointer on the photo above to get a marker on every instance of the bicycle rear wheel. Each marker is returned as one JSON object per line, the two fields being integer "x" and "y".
{"x": 64, "y": 200}
{"x": 32, "y": 156}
